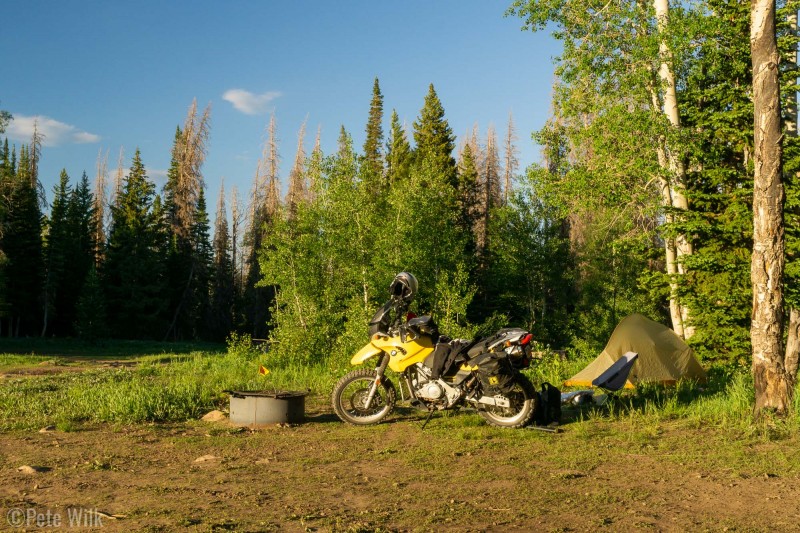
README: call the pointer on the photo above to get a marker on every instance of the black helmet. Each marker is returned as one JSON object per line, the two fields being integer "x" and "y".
{"x": 404, "y": 286}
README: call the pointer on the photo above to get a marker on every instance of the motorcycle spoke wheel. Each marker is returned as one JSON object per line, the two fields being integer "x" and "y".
{"x": 350, "y": 398}
{"x": 522, "y": 398}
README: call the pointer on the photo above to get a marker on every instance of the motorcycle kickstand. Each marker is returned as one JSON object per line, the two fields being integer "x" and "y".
{"x": 428, "y": 418}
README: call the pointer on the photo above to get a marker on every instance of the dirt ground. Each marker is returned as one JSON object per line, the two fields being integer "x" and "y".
{"x": 456, "y": 475}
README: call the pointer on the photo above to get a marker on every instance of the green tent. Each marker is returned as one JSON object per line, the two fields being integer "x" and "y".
{"x": 663, "y": 356}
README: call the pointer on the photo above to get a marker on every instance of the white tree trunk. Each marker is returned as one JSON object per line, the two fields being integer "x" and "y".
{"x": 773, "y": 386}
{"x": 677, "y": 170}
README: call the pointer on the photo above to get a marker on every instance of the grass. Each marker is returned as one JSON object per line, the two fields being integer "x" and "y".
{"x": 164, "y": 387}
{"x": 170, "y": 382}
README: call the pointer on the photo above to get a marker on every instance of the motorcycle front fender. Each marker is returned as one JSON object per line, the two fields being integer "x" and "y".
{"x": 365, "y": 353}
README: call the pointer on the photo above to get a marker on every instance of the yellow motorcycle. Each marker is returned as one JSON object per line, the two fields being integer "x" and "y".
{"x": 435, "y": 372}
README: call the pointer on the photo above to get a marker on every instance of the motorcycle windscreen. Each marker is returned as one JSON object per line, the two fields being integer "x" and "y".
{"x": 381, "y": 319}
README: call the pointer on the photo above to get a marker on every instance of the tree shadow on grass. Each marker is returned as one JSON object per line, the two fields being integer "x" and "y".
{"x": 105, "y": 349}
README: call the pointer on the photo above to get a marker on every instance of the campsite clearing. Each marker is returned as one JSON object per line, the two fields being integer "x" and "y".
{"x": 458, "y": 474}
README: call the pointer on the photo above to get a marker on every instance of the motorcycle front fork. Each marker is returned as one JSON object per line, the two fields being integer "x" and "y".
{"x": 379, "y": 372}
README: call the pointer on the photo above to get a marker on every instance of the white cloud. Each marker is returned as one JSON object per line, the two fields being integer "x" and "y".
{"x": 55, "y": 133}
{"x": 158, "y": 175}
{"x": 249, "y": 103}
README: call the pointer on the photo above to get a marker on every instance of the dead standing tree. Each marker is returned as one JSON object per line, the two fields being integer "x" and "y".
{"x": 298, "y": 190}
{"x": 264, "y": 207}
{"x": 190, "y": 154}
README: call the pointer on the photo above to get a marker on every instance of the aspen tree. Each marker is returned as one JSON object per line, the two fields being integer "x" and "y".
{"x": 773, "y": 385}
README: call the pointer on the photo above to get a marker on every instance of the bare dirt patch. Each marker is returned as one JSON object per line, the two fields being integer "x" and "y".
{"x": 457, "y": 474}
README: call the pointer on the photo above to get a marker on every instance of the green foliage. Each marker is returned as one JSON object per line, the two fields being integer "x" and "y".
{"x": 92, "y": 321}
{"x": 69, "y": 252}
{"x": 240, "y": 345}
{"x": 132, "y": 274}
{"x": 223, "y": 292}
{"x": 434, "y": 138}
{"x": 531, "y": 268}
{"x": 604, "y": 167}
{"x": 332, "y": 262}
{"x": 5, "y": 118}
{"x": 398, "y": 152}
{"x": 374, "y": 130}
{"x": 21, "y": 242}
{"x": 718, "y": 108}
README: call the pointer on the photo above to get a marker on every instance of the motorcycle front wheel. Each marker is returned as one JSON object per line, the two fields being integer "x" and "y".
{"x": 523, "y": 400}
{"x": 350, "y": 396}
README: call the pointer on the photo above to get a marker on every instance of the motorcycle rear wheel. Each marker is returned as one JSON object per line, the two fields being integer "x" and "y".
{"x": 350, "y": 394}
{"x": 523, "y": 399}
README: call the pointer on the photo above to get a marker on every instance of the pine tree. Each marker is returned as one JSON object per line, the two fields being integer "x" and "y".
{"x": 203, "y": 259}
{"x": 6, "y": 181}
{"x": 91, "y": 322}
{"x": 132, "y": 272}
{"x": 717, "y": 105}
{"x": 374, "y": 137}
{"x": 222, "y": 293}
{"x": 469, "y": 200}
{"x": 57, "y": 252}
{"x": 22, "y": 245}
{"x": 435, "y": 139}
{"x": 81, "y": 215}
{"x": 398, "y": 152}
{"x": 69, "y": 252}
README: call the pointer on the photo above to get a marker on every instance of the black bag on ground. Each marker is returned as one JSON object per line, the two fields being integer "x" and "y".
{"x": 548, "y": 409}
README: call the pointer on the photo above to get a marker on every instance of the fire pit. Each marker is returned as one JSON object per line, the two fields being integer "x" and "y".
{"x": 260, "y": 408}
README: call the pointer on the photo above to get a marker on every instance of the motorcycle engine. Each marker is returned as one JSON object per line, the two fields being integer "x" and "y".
{"x": 434, "y": 390}
{"x": 430, "y": 391}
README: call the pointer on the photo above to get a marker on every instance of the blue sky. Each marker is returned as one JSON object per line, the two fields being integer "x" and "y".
{"x": 104, "y": 75}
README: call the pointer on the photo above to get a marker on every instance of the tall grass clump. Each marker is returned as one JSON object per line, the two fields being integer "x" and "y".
{"x": 730, "y": 405}
{"x": 159, "y": 388}
{"x": 553, "y": 367}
